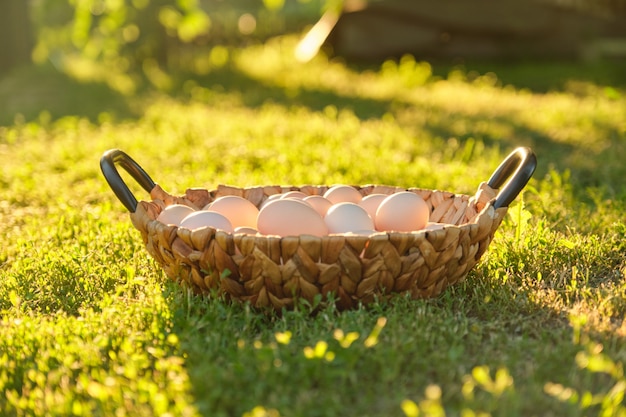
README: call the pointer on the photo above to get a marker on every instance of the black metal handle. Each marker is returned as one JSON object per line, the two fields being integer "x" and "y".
{"x": 519, "y": 167}
{"x": 107, "y": 164}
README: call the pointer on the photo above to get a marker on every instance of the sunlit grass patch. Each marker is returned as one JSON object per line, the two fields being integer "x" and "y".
{"x": 120, "y": 357}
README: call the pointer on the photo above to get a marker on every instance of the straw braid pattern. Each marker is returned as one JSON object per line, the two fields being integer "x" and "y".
{"x": 270, "y": 271}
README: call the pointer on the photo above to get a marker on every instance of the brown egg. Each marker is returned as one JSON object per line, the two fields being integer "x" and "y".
{"x": 246, "y": 230}
{"x": 239, "y": 211}
{"x": 294, "y": 194}
{"x": 319, "y": 203}
{"x": 371, "y": 202}
{"x": 343, "y": 194}
{"x": 402, "y": 212}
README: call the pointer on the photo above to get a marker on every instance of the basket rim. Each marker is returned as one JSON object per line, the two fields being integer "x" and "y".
{"x": 168, "y": 199}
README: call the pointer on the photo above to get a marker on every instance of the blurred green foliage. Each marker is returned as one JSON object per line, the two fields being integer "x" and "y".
{"x": 127, "y": 43}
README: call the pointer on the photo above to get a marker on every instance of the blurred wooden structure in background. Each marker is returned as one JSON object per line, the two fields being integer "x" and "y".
{"x": 482, "y": 29}
{"x": 16, "y": 36}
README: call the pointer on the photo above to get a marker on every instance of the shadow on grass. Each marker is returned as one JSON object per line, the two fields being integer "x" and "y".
{"x": 29, "y": 92}
{"x": 255, "y": 93}
{"x": 542, "y": 76}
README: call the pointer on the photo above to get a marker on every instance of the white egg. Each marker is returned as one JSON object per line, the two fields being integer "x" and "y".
{"x": 270, "y": 199}
{"x": 347, "y": 217}
{"x": 174, "y": 214}
{"x": 206, "y": 218}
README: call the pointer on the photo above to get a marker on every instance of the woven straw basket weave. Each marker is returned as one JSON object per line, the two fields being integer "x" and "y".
{"x": 272, "y": 271}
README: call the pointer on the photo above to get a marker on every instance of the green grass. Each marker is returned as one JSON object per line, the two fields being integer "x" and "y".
{"x": 91, "y": 326}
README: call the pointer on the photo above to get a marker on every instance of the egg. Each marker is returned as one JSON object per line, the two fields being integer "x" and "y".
{"x": 270, "y": 199}
{"x": 207, "y": 218}
{"x": 174, "y": 214}
{"x": 319, "y": 203}
{"x": 290, "y": 217}
{"x": 342, "y": 194}
{"x": 246, "y": 230}
{"x": 302, "y": 200}
{"x": 239, "y": 211}
{"x": 402, "y": 212}
{"x": 347, "y": 217}
{"x": 294, "y": 194}
{"x": 371, "y": 202}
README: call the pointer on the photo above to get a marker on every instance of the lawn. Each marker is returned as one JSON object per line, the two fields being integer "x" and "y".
{"x": 90, "y": 325}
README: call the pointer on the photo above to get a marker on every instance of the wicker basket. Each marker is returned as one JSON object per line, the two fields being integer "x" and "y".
{"x": 272, "y": 271}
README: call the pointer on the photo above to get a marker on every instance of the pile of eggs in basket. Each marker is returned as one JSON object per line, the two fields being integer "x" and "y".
{"x": 341, "y": 210}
